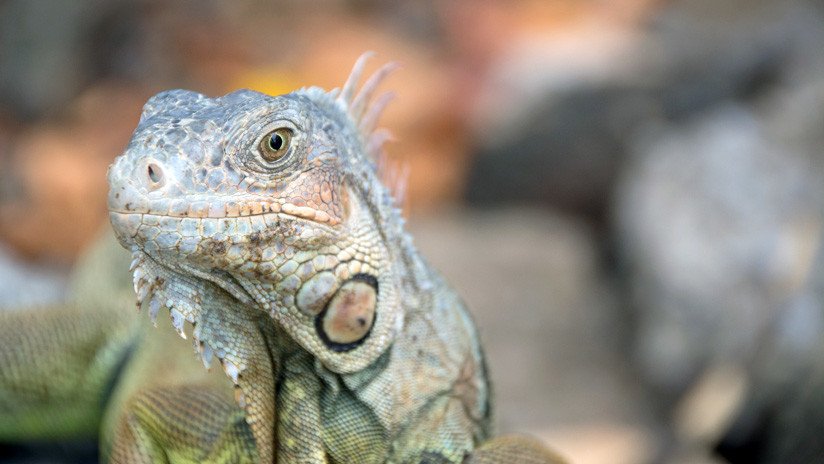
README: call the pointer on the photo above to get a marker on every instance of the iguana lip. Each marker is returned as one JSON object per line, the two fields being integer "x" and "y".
{"x": 230, "y": 209}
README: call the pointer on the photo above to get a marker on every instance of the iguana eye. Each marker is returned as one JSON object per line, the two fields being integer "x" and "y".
{"x": 275, "y": 144}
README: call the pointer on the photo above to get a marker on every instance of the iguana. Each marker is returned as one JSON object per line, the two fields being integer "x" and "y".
{"x": 261, "y": 224}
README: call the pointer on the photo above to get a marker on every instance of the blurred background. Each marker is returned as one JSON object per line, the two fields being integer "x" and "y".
{"x": 628, "y": 193}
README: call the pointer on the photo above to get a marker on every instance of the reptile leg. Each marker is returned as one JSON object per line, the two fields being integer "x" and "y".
{"x": 511, "y": 449}
{"x": 182, "y": 424}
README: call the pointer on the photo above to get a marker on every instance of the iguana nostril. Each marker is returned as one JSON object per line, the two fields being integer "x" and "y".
{"x": 155, "y": 174}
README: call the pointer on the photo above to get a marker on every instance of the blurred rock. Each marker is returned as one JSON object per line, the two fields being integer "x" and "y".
{"x": 42, "y": 39}
{"x": 564, "y": 152}
{"x": 718, "y": 224}
{"x": 705, "y": 53}
{"x": 554, "y": 105}
{"x": 705, "y": 412}
{"x": 720, "y": 217}
{"x": 780, "y": 421}
{"x": 555, "y": 129}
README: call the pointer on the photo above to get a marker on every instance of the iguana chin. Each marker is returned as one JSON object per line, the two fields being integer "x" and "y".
{"x": 262, "y": 222}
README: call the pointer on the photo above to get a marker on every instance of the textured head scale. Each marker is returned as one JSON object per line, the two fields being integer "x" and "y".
{"x": 274, "y": 201}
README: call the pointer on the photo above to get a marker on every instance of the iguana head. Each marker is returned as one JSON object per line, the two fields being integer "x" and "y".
{"x": 276, "y": 201}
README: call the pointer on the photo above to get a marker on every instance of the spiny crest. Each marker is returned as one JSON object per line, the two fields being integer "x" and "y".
{"x": 358, "y": 104}
{"x": 364, "y": 109}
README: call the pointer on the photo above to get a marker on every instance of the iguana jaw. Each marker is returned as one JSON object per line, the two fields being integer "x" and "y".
{"x": 175, "y": 253}
{"x": 277, "y": 264}
{"x": 185, "y": 236}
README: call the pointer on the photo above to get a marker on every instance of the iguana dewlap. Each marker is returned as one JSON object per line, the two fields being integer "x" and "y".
{"x": 261, "y": 224}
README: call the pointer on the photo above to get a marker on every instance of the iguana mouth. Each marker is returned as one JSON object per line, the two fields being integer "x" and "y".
{"x": 202, "y": 210}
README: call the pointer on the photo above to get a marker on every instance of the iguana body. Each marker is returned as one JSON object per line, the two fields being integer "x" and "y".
{"x": 261, "y": 223}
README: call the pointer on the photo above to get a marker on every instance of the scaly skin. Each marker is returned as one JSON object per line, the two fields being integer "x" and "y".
{"x": 262, "y": 222}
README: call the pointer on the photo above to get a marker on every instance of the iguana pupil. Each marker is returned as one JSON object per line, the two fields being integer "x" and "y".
{"x": 275, "y": 142}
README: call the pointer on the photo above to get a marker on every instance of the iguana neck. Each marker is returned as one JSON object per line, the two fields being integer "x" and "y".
{"x": 290, "y": 380}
